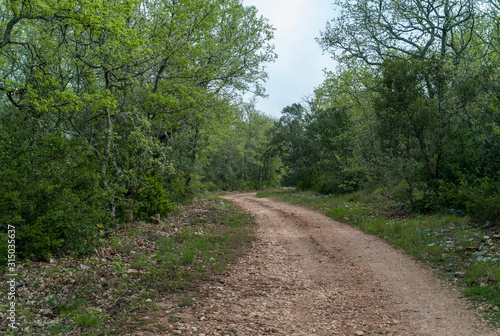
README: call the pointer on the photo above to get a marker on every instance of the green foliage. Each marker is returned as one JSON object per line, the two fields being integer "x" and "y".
{"x": 484, "y": 201}
{"x": 106, "y": 110}
{"x": 243, "y": 158}
{"x": 422, "y": 113}
{"x": 486, "y": 210}
{"x": 346, "y": 181}
{"x": 316, "y": 146}
{"x": 306, "y": 179}
{"x": 89, "y": 318}
{"x": 50, "y": 194}
{"x": 416, "y": 117}
{"x": 152, "y": 200}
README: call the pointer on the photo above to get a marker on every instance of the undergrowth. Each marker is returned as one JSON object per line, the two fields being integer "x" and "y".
{"x": 134, "y": 268}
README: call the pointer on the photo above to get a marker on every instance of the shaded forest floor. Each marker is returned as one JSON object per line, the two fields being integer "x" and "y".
{"x": 112, "y": 291}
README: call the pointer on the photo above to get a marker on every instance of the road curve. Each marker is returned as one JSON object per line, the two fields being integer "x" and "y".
{"x": 309, "y": 275}
{"x": 372, "y": 288}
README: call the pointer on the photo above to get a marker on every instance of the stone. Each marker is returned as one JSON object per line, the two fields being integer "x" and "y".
{"x": 156, "y": 219}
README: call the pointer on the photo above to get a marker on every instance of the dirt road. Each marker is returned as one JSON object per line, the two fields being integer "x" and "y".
{"x": 310, "y": 275}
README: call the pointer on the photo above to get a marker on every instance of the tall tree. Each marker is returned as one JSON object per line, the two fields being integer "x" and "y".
{"x": 374, "y": 30}
{"x": 120, "y": 93}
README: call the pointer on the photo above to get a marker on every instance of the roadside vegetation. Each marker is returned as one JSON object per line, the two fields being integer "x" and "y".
{"x": 464, "y": 253}
{"x": 113, "y": 290}
{"x": 403, "y": 138}
{"x": 413, "y": 107}
{"x": 115, "y": 111}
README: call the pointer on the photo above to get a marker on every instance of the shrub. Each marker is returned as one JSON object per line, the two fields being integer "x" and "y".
{"x": 486, "y": 210}
{"x": 65, "y": 223}
{"x": 306, "y": 180}
{"x": 52, "y": 195}
{"x": 479, "y": 197}
{"x": 153, "y": 199}
{"x": 346, "y": 181}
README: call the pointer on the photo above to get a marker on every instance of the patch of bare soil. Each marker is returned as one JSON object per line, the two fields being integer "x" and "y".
{"x": 310, "y": 275}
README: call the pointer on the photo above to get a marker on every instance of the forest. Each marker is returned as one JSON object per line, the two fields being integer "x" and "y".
{"x": 412, "y": 110}
{"x": 115, "y": 111}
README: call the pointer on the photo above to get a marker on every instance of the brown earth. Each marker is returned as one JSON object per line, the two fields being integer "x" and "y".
{"x": 309, "y": 275}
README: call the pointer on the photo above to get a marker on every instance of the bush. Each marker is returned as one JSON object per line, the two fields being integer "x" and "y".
{"x": 486, "y": 210}
{"x": 484, "y": 201}
{"x": 438, "y": 195}
{"x": 153, "y": 199}
{"x": 66, "y": 223}
{"x": 346, "y": 181}
{"x": 479, "y": 197}
{"x": 306, "y": 180}
{"x": 51, "y": 194}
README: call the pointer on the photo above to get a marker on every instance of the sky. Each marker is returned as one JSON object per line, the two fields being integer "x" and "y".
{"x": 299, "y": 67}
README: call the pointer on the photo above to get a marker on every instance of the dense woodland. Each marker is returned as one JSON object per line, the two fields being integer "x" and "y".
{"x": 114, "y": 111}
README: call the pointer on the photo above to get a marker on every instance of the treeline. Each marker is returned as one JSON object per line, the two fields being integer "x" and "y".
{"x": 244, "y": 159}
{"x": 413, "y": 108}
{"x": 115, "y": 111}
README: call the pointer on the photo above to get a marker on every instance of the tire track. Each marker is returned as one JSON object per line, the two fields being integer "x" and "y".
{"x": 309, "y": 275}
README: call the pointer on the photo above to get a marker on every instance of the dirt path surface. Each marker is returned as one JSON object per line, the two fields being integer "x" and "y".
{"x": 309, "y": 275}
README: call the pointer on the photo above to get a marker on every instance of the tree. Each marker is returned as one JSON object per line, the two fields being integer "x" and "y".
{"x": 120, "y": 94}
{"x": 374, "y": 30}
{"x": 243, "y": 158}
{"x": 290, "y": 141}
{"x": 418, "y": 80}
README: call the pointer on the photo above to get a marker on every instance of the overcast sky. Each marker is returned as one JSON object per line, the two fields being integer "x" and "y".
{"x": 299, "y": 67}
